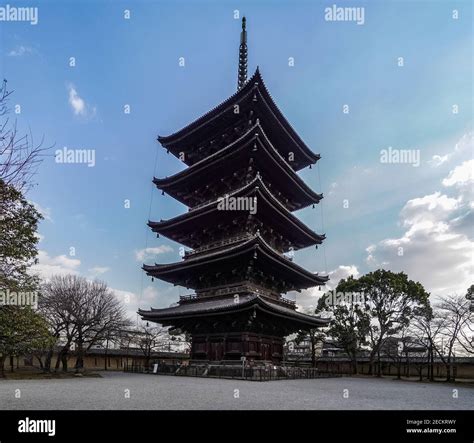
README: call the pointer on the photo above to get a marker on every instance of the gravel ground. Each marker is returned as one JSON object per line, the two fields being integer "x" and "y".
{"x": 169, "y": 392}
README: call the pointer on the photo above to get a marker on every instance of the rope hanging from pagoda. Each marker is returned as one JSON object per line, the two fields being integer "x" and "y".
{"x": 242, "y": 56}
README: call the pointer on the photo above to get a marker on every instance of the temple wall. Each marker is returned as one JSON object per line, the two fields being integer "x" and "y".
{"x": 461, "y": 370}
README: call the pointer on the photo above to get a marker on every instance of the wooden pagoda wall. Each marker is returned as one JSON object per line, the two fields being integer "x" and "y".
{"x": 234, "y": 345}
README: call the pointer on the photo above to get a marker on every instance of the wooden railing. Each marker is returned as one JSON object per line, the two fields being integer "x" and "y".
{"x": 217, "y": 244}
{"x": 236, "y": 289}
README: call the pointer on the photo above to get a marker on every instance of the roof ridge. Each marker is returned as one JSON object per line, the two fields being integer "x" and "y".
{"x": 202, "y": 117}
{"x": 283, "y": 117}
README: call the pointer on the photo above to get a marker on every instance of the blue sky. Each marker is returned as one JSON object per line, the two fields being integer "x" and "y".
{"x": 134, "y": 62}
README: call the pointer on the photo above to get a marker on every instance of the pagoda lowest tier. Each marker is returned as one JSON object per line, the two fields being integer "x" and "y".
{"x": 237, "y": 163}
{"x": 231, "y": 119}
{"x": 250, "y": 259}
{"x": 229, "y": 327}
{"x": 198, "y": 229}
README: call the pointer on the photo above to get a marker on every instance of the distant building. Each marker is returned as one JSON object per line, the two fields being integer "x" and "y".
{"x": 403, "y": 347}
{"x": 331, "y": 348}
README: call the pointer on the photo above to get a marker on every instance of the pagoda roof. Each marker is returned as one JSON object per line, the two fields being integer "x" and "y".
{"x": 296, "y": 232}
{"x": 193, "y": 132}
{"x": 267, "y": 157}
{"x": 188, "y": 272}
{"x": 222, "y": 306}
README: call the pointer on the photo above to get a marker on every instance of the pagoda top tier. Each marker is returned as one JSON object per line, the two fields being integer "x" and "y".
{"x": 252, "y": 103}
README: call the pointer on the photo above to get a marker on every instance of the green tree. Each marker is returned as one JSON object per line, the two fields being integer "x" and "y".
{"x": 392, "y": 302}
{"x": 350, "y": 321}
{"x": 18, "y": 240}
{"x": 21, "y": 331}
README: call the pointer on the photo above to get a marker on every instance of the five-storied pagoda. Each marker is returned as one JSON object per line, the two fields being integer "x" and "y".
{"x": 241, "y": 187}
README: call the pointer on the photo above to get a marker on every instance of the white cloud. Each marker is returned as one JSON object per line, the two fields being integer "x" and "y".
{"x": 438, "y": 160}
{"x": 307, "y": 300}
{"x": 98, "y": 270}
{"x": 147, "y": 253}
{"x": 430, "y": 208}
{"x": 20, "y": 50}
{"x": 132, "y": 301}
{"x": 78, "y": 104}
{"x": 461, "y": 175}
{"x": 340, "y": 273}
{"x": 61, "y": 264}
{"x": 45, "y": 212}
{"x": 464, "y": 144}
{"x": 129, "y": 301}
{"x": 39, "y": 236}
{"x": 436, "y": 248}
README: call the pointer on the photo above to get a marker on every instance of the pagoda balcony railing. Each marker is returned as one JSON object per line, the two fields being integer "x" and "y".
{"x": 287, "y": 301}
{"x": 218, "y": 244}
{"x": 248, "y": 287}
{"x": 187, "y": 297}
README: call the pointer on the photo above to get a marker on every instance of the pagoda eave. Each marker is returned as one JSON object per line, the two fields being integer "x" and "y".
{"x": 270, "y": 211}
{"x": 216, "y": 307}
{"x": 189, "y": 271}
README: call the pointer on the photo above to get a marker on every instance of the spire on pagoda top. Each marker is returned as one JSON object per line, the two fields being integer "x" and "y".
{"x": 242, "y": 77}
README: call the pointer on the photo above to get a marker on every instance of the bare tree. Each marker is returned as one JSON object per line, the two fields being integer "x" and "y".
{"x": 150, "y": 339}
{"x": 19, "y": 155}
{"x": 81, "y": 312}
{"x": 96, "y": 314}
{"x": 454, "y": 317}
{"x": 466, "y": 335}
{"x": 427, "y": 328}
{"x": 314, "y": 336}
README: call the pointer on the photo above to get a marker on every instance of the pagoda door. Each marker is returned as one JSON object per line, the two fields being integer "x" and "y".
{"x": 217, "y": 351}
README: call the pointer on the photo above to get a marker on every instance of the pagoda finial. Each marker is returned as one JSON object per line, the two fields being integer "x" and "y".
{"x": 242, "y": 78}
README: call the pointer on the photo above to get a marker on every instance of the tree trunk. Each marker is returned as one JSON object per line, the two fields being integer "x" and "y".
{"x": 64, "y": 361}
{"x": 379, "y": 365}
{"x": 448, "y": 369}
{"x": 40, "y": 361}
{"x": 47, "y": 361}
{"x": 431, "y": 364}
{"x": 79, "y": 366}
{"x": 80, "y": 358}
{"x": 354, "y": 364}
{"x": 2, "y": 365}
